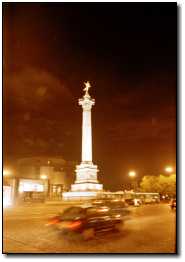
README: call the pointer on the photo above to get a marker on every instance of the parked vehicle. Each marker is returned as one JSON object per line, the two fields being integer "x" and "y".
{"x": 173, "y": 203}
{"x": 87, "y": 221}
{"x": 133, "y": 201}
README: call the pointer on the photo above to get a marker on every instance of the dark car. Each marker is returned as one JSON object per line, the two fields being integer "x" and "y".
{"x": 173, "y": 203}
{"x": 87, "y": 220}
{"x": 116, "y": 205}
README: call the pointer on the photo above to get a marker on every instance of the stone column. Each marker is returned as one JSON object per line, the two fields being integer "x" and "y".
{"x": 86, "y": 173}
{"x": 86, "y": 102}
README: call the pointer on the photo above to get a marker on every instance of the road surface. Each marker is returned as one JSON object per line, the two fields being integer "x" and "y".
{"x": 151, "y": 229}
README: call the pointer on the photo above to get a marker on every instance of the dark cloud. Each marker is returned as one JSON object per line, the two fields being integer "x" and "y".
{"x": 33, "y": 89}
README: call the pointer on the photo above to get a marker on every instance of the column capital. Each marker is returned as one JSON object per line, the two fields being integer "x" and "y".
{"x": 86, "y": 102}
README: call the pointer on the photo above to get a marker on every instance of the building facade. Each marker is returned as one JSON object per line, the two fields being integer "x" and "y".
{"x": 37, "y": 179}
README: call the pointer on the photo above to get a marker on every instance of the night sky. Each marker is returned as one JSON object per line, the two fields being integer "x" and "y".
{"x": 127, "y": 51}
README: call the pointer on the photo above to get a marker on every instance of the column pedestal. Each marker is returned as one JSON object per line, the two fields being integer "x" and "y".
{"x": 86, "y": 178}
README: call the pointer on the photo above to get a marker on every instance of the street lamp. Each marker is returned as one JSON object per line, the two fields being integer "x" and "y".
{"x": 169, "y": 169}
{"x": 6, "y": 172}
{"x": 44, "y": 177}
{"x": 132, "y": 175}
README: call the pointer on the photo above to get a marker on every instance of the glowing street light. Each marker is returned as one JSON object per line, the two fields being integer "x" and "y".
{"x": 169, "y": 169}
{"x": 132, "y": 174}
{"x": 6, "y": 172}
{"x": 44, "y": 177}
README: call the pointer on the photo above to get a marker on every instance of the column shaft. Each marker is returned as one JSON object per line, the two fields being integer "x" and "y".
{"x": 86, "y": 136}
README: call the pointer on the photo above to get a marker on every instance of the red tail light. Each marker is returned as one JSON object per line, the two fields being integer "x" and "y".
{"x": 74, "y": 224}
{"x": 53, "y": 221}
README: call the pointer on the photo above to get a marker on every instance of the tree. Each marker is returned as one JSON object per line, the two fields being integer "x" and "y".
{"x": 167, "y": 185}
{"x": 160, "y": 184}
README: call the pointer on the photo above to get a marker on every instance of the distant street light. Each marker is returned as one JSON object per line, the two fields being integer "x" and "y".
{"x": 169, "y": 169}
{"x": 6, "y": 172}
{"x": 44, "y": 177}
{"x": 132, "y": 174}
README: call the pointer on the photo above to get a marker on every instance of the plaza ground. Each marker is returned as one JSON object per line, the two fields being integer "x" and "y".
{"x": 150, "y": 229}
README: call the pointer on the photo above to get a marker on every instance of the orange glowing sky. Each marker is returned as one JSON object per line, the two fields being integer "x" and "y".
{"x": 128, "y": 53}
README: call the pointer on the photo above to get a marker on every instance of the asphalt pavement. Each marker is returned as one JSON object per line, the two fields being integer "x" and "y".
{"x": 150, "y": 229}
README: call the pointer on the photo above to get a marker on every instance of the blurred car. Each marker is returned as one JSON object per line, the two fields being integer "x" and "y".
{"x": 119, "y": 206}
{"x": 134, "y": 201}
{"x": 116, "y": 205}
{"x": 137, "y": 202}
{"x": 151, "y": 200}
{"x": 87, "y": 220}
{"x": 173, "y": 203}
{"x": 156, "y": 199}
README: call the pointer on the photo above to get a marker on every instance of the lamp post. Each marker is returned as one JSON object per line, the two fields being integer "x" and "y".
{"x": 168, "y": 169}
{"x": 170, "y": 172}
{"x": 132, "y": 175}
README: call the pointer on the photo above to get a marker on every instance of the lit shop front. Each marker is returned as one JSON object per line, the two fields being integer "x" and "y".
{"x": 32, "y": 189}
{"x": 38, "y": 189}
{"x": 28, "y": 185}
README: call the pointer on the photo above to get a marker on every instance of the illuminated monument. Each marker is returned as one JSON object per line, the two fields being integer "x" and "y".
{"x": 86, "y": 183}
